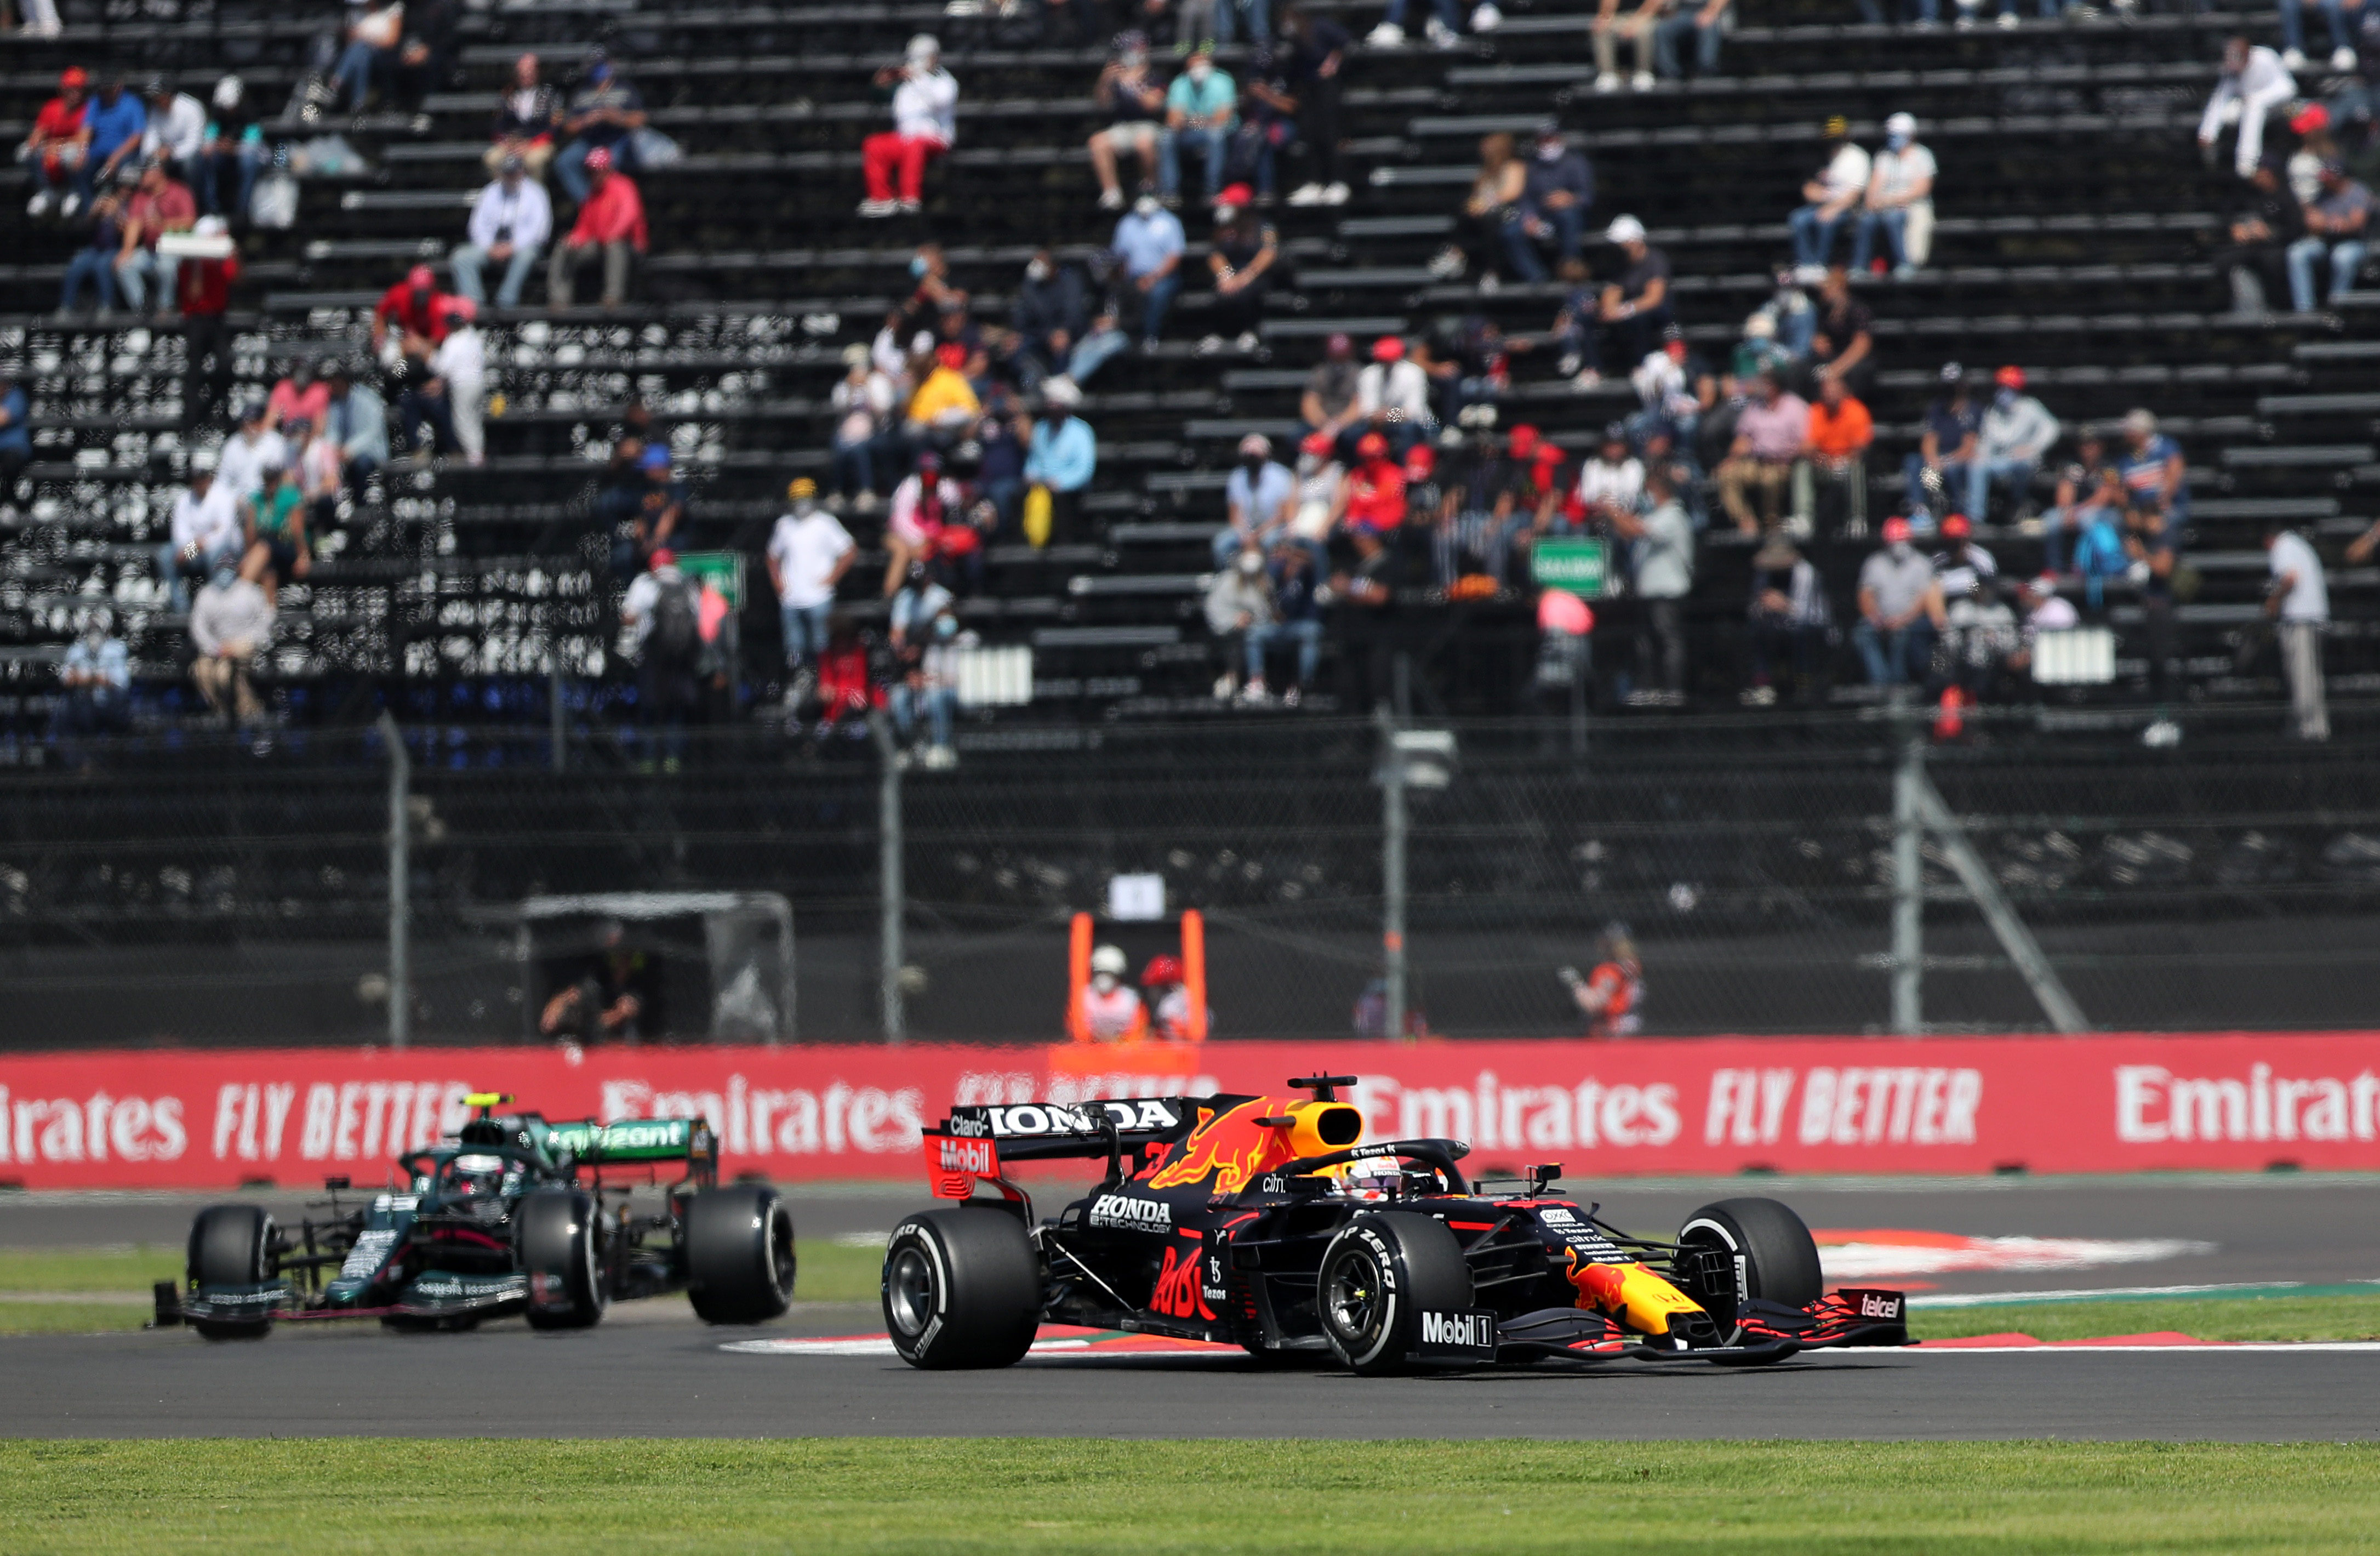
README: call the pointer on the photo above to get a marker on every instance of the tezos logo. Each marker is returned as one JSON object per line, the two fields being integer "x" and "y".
{"x": 1122, "y": 1212}
{"x": 1457, "y": 1329}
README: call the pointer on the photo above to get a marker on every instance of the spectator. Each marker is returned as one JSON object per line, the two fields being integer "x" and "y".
{"x": 96, "y": 677}
{"x": 604, "y": 115}
{"x": 1063, "y": 456}
{"x": 1961, "y": 567}
{"x": 926, "y": 692}
{"x": 925, "y": 125}
{"x": 924, "y": 505}
{"x": 1675, "y": 391}
{"x": 1051, "y": 314}
{"x": 1612, "y": 995}
{"x": 1258, "y": 500}
{"x": 297, "y": 399}
{"x": 1366, "y": 617}
{"x": 373, "y": 33}
{"x": 2080, "y": 488}
{"x": 2045, "y": 610}
{"x": 1318, "y": 48}
{"x": 2334, "y": 13}
{"x": 863, "y": 404}
{"x": 95, "y": 263}
{"x": 314, "y": 471}
{"x": 1268, "y": 120}
{"x": 1392, "y": 396}
{"x": 1635, "y": 308}
{"x": 1373, "y": 497}
{"x": 511, "y": 223}
{"x": 2153, "y": 539}
{"x": 1329, "y": 403}
{"x": 1843, "y": 343}
{"x": 359, "y": 424}
{"x": 663, "y": 612}
{"x": 2252, "y": 83}
{"x": 1293, "y": 570}
{"x": 117, "y": 120}
{"x": 1980, "y": 640}
{"x": 427, "y": 404}
{"x": 233, "y": 145}
{"x": 659, "y": 515}
{"x": 1610, "y": 484}
{"x": 1492, "y": 502}
{"x": 248, "y": 452}
{"x": 2299, "y": 600}
{"x": 1638, "y": 27}
{"x": 934, "y": 294}
{"x": 1476, "y": 371}
{"x": 16, "y": 439}
{"x": 1835, "y": 451}
{"x": 611, "y": 228}
{"x": 1243, "y": 261}
{"x": 2152, "y": 467}
{"x": 274, "y": 520}
{"x": 205, "y": 532}
{"x": 231, "y": 623}
{"x": 1790, "y": 621}
{"x": 2265, "y": 223}
{"x": 1000, "y": 459}
{"x": 1444, "y": 29}
{"x": 1901, "y": 610}
{"x": 1135, "y": 105}
{"x": 2014, "y": 437}
{"x": 1491, "y": 212}
{"x": 1900, "y": 195}
{"x": 1148, "y": 244}
{"x": 59, "y": 147}
{"x": 203, "y": 288}
{"x": 808, "y": 553}
{"x": 2340, "y": 220}
{"x": 161, "y": 206}
{"x": 1769, "y": 435}
{"x": 1935, "y": 477}
{"x": 1702, "y": 23}
{"x": 1661, "y": 551}
{"x": 1201, "y": 107}
{"x": 420, "y": 312}
{"x": 1574, "y": 327}
{"x": 1109, "y": 1010}
{"x": 529, "y": 113}
{"x": 945, "y": 406}
{"x": 1831, "y": 194}
{"x": 175, "y": 131}
{"x": 1239, "y": 606}
{"x": 1557, "y": 192}
{"x": 460, "y": 364}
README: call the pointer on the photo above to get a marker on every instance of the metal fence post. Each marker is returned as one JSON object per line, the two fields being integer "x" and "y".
{"x": 888, "y": 884}
{"x": 1908, "y": 888}
{"x": 400, "y": 912}
{"x": 557, "y": 716}
{"x": 1392, "y": 876}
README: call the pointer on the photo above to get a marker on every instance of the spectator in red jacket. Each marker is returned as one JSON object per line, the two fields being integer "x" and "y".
{"x": 1373, "y": 496}
{"x": 57, "y": 147}
{"x": 203, "y": 289}
{"x": 611, "y": 228}
{"x": 421, "y": 313}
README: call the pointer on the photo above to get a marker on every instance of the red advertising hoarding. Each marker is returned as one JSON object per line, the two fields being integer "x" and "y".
{"x": 2090, "y": 1104}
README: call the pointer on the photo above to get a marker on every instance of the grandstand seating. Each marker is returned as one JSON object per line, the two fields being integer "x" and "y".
{"x": 2077, "y": 224}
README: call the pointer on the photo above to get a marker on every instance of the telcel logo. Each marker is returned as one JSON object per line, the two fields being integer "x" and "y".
{"x": 1874, "y": 1307}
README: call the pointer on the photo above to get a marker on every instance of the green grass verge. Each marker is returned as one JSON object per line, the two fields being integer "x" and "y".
{"x": 2203, "y": 1318}
{"x": 1279, "y": 1497}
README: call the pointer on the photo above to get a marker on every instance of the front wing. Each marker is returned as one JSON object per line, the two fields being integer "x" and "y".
{"x": 1766, "y": 1331}
{"x": 433, "y": 1295}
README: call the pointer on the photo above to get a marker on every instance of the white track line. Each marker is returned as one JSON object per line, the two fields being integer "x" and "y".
{"x": 2076, "y": 1294}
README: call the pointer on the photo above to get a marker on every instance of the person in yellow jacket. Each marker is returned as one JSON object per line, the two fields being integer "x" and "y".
{"x": 946, "y": 405}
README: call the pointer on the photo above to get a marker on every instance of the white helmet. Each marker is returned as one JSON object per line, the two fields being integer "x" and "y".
{"x": 1108, "y": 959}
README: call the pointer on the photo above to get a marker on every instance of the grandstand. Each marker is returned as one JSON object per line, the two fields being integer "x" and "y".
{"x": 2076, "y": 237}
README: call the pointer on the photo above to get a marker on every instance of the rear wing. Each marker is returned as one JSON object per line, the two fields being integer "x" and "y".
{"x": 631, "y": 1140}
{"x": 971, "y": 1144}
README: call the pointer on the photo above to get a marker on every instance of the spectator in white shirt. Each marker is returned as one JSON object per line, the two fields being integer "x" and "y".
{"x": 1392, "y": 396}
{"x": 809, "y": 551}
{"x": 2017, "y": 434}
{"x": 205, "y": 530}
{"x": 231, "y": 622}
{"x": 177, "y": 127}
{"x": 1259, "y": 498}
{"x": 461, "y": 360}
{"x": 2298, "y": 601}
{"x": 1663, "y": 571}
{"x": 1900, "y": 193}
{"x": 2253, "y": 84}
{"x": 925, "y": 124}
{"x": 246, "y": 453}
{"x": 1612, "y": 482}
{"x": 511, "y": 223}
{"x": 863, "y": 406}
{"x": 1830, "y": 195}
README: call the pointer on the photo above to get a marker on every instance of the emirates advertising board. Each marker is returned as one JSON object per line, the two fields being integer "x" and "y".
{"x": 2238, "y": 1102}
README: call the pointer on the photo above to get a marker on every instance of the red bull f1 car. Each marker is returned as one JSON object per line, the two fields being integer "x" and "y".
{"x": 1269, "y": 1223}
{"x": 511, "y": 1215}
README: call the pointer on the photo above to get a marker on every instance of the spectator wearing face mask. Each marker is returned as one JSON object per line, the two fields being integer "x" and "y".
{"x": 1901, "y": 610}
{"x": 924, "y": 690}
{"x": 1900, "y": 194}
{"x": 1557, "y": 192}
{"x": 1109, "y": 1010}
{"x": 1935, "y": 477}
{"x": 1769, "y": 435}
{"x": 1961, "y": 567}
{"x": 1201, "y": 110}
{"x": 2251, "y": 84}
{"x": 604, "y": 115}
{"x": 1294, "y": 571}
{"x": 231, "y": 622}
{"x": 96, "y": 677}
{"x": 1258, "y": 500}
{"x": 946, "y": 405}
{"x": 1328, "y": 405}
{"x": 1051, "y": 314}
{"x": 511, "y": 223}
{"x": 2015, "y": 437}
{"x": 1392, "y": 396}
{"x": 925, "y": 125}
{"x": 1831, "y": 194}
{"x": 205, "y": 532}
{"x": 1243, "y": 260}
{"x": 1148, "y": 246}
{"x": 1063, "y": 456}
{"x": 1239, "y": 605}
{"x": 1135, "y": 105}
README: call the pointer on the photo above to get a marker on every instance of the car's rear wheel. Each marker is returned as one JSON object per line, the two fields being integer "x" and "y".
{"x": 1768, "y": 1251}
{"x": 558, "y": 1236}
{"x": 739, "y": 1255}
{"x": 1377, "y": 1275}
{"x": 962, "y": 1289}
{"x": 232, "y": 1246}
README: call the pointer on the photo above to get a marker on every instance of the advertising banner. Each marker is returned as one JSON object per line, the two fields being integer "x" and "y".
{"x": 2246, "y": 1101}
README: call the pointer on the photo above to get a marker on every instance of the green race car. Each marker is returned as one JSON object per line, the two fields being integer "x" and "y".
{"x": 511, "y": 1215}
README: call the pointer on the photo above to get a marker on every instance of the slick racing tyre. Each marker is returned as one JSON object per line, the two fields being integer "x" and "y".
{"x": 1377, "y": 1275}
{"x": 739, "y": 1255}
{"x": 1769, "y": 1253}
{"x": 557, "y": 1236}
{"x": 962, "y": 1289}
{"x": 232, "y": 1246}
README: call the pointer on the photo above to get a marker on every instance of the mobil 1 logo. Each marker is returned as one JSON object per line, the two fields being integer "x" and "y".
{"x": 1455, "y": 1334}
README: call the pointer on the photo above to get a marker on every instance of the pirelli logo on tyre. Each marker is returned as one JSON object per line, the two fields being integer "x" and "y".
{"x": 1456, "y": 1334}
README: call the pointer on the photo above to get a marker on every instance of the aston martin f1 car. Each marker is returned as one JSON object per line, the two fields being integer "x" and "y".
{"x": 1269, "y": 1222}
{"x": 511, "y": 1215}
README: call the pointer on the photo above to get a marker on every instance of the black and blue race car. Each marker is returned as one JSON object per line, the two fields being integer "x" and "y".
{"x": 511, "y": 1215}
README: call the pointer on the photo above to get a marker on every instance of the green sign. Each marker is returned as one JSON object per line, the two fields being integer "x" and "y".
{"x": 1579, "y": 566}
{"x": 723, "y": 569}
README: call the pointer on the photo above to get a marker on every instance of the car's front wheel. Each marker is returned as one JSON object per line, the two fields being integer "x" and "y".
{"x": 962, "y": 1289}
{"x": 232, "y": 1246}
{"x": 558, "y": 1239}
{"x": 1765, "y": 1250}
{"x": 1378, "y": 1274}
